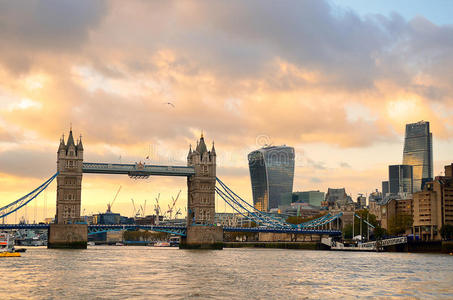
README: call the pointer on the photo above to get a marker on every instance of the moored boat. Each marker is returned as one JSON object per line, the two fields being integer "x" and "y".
{"x": 162, "y": 244}
{"x": 7, "y": 246}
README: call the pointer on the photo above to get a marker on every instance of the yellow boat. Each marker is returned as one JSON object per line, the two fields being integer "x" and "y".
{"x": 9, "y": 254}
{"x": 7, "y": 246}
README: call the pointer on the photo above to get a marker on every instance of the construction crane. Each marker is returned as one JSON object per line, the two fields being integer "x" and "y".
{"x": 157, "y": 209}
{"x": 143, "y": 209}
{"x": 136, "y": 212}
{"x": 178, "y": 212}
{"x": 172, "y": 207}
{"x": 109, "y": 205}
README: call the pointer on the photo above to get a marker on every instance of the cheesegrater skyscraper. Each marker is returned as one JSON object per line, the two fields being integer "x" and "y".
{"x": 418, "y": 152}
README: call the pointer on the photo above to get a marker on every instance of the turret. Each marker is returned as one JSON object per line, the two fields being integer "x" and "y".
{"x": 62, "y": 147}
{"x": 79, "y": 144}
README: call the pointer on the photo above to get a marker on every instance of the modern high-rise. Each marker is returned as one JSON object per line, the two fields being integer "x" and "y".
{"x": 400, "y": 179}
{"x": 418, "y": 152}
{"x": 385, "y": 188}
{"x": 272, "y": 174}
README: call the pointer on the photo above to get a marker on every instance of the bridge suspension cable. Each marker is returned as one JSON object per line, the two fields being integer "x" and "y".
{"x": 248, "y": 211}
{"x": 262, "y": 218}
{"x": 18, "y": 204}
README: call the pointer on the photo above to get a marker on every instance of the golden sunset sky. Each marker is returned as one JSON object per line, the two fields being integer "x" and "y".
{"x": 336, "y": 83}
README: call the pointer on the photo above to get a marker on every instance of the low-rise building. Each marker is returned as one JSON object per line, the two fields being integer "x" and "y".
{"x": 361, "y": 201}
{"x": 231, "y": 220}
{"x": 337, "y": 197}
{"x": 433, "y": 206}
{"x": 394, "y": 210}
{"x": 314, "y": 198}
{"x": 302, "y": 209}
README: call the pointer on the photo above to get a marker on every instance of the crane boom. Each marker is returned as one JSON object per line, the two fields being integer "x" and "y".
{"x": 171, "y": 208}
{"x": 119, "y": 189}
{"x": 109, "y": 205}
{"x": 135, "y": 210}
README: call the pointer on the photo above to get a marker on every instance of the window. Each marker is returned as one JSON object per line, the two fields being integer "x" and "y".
{"x": 70, "y": 181}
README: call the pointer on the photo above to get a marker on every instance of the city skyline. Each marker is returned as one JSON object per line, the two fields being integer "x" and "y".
{"x": 341, "y": 99}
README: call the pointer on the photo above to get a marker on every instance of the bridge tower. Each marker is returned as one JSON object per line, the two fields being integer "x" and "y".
{"x": 201, "y": 230}
{"x": 65, "y": 233}
{"x": 69, "y": 180}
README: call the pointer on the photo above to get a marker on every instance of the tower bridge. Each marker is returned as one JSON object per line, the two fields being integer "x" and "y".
{"x": 200, "y": 172}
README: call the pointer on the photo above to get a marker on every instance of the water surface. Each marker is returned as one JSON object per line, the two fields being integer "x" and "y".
{"x": 115, "y": 272}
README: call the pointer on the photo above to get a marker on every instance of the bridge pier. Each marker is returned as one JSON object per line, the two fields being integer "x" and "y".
{"x": 201, "y": 230}
{"x": 203, "y": 237}
{"x": 67, "y": 236}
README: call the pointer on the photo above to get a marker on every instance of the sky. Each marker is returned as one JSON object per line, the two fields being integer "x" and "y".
{"x": 337, "y": 80}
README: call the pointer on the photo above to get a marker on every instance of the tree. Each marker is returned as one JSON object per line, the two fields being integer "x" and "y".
{"x": 447, "y": 232}
{"x": 398, "y": 224}
{"x": 364, "y": 215}
{"x": 347, "y": 231}
{"x": 379, "y": 232}
{"x": 299, "y": 220}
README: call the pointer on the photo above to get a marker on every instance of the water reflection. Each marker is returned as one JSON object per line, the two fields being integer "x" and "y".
{"x": 146, "y": 272}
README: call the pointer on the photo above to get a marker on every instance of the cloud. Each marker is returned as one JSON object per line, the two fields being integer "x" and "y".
{"x": 28, "y": 163}
{"x": 345, "y": 165}
{"x": 315, "y": 180}
{"x": 31, "y": 27}
{"x": 6, "y": 136}
{"x": 299, "y": 72}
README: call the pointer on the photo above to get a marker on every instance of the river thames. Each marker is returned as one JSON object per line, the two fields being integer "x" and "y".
{"x": 115, "y": 272}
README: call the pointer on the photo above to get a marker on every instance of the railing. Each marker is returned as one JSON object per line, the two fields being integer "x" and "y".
{"x": 386, "y": 242}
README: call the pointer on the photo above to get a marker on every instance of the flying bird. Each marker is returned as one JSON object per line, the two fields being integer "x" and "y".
{"x": 169, "y": 103}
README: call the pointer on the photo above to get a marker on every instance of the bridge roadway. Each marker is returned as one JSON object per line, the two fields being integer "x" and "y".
{"x": 178, "y": 230}
{"x": 137, "y": 169}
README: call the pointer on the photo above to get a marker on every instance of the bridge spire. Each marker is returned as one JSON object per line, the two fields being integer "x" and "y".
{"x": 70, "y": 139}
{"x": 201, "y": 147}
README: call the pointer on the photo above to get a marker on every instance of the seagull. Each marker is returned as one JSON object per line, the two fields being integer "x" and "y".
{"x": 169, "y": 103}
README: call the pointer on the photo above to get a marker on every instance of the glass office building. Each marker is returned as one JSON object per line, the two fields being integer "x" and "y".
{"x": 418, "y": 152}
{"x": 385, "y": 188}
{"x": 400, "y": 179}
{"x": 271, "y": 173}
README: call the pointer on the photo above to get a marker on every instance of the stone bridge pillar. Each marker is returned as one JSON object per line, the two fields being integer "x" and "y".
{"x": 201, "y": 230}
{"x": 65, "y": 233}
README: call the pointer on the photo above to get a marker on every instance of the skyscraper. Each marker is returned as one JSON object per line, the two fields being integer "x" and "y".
{"x": 271, "y": 173}
{"x": 400, "y": 179}
{"x": 385, "y": 188}
{"x": 418, "y": 152}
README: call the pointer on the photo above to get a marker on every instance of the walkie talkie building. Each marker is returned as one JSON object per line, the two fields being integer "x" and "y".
{"x": 272, "y": 174}
{"x": 418, "y": 152}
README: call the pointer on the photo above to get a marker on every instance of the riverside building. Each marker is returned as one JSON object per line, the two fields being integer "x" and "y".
{"x": 433, "y": 207}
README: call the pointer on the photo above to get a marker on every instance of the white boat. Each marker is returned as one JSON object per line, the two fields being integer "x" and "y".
{"x": 368, "y": 246}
